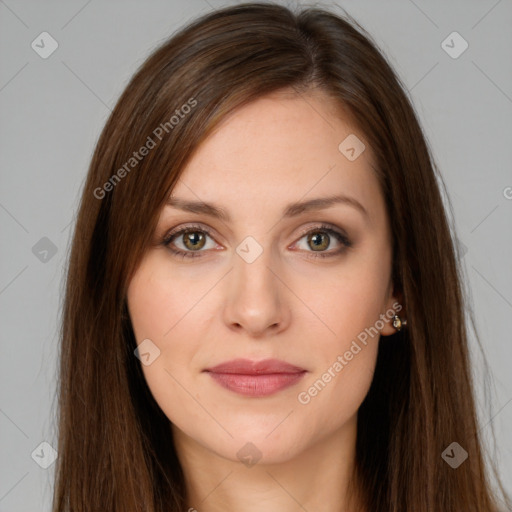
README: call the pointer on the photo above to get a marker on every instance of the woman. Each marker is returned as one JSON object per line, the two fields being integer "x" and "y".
{"x": 263, "y": 307}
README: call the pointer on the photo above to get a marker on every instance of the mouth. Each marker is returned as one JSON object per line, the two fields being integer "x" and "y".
{"x": 256, "y": 378}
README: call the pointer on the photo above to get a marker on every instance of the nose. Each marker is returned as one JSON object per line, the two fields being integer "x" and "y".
{"x": 256, "y": 299}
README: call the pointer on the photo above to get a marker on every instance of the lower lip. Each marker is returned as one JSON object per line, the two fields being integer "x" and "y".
{"x": 257, "y": 385}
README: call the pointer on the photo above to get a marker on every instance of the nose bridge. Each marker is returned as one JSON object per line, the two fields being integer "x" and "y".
{"x": 255, "y": 299}
{"x": 252, "y": 267}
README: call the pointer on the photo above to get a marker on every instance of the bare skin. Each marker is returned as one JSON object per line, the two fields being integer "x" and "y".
{"x": 287, "y": 304}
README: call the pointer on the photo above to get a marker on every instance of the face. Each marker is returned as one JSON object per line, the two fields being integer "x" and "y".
{"x": 309, "y": 287}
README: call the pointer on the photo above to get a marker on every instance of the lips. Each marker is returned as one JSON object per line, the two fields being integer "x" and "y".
{"x": 256, "y": 378}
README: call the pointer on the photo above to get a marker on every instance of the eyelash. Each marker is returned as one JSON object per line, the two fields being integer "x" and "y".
{"x": 196, "y": 228}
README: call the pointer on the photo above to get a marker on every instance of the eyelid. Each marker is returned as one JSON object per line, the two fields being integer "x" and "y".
{"x": 319, "y": 225}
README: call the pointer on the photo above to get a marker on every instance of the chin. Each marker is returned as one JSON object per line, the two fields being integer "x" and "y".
{"x": 258, "y": 446}
{"x": 260, "y": 451}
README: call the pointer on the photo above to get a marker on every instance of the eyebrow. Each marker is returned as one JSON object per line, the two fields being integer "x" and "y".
{"x": 292, "y": 210}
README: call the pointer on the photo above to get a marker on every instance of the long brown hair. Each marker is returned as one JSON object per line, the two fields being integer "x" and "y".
{"x": 115, "y": 446}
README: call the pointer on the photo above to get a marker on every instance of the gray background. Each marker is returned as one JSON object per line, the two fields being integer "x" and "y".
{"x": 52, "y": 111}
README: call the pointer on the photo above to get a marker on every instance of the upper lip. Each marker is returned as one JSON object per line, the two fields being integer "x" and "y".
{"x": 248, "y": 367}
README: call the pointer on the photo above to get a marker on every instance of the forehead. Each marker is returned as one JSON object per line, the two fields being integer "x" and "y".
{"x": 277, "y": 150}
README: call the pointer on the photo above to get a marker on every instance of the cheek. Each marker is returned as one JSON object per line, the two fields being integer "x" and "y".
{"x": 345, "y": 357}
{"x": 159, "y": 313}
{"x": 344, "y": 361}
{"x": 148, "y": 301}
{"x": 354, "y": 298}
{"x": 158, "y": 300}
{"x": 162, "y": 315}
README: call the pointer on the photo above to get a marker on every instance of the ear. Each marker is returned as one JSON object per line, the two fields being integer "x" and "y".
{"x": 394, "y": 305}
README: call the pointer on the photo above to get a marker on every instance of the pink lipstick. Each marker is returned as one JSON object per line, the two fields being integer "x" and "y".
{"x": 256, "y": 378}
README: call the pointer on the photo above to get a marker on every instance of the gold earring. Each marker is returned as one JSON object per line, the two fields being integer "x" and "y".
{"x": 398, "y": 322}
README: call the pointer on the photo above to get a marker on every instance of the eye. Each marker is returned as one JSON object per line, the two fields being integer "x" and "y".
{"x": 320, "y": 239}
{"x": 191, "y": 238}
